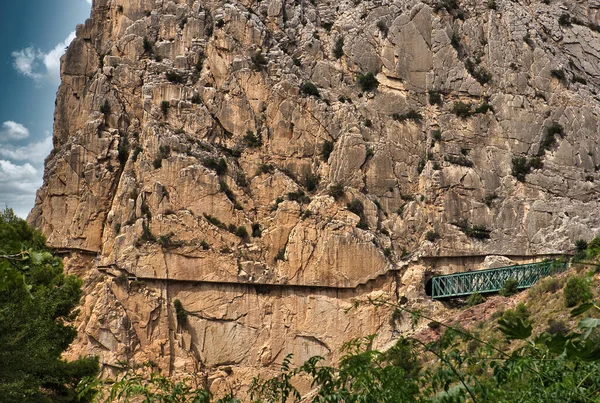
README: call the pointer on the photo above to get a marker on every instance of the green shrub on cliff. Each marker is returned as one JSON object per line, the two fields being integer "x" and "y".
{"x": 367, "y": 82}
{"x": 510, "y": 287}
{"x": 577, "y": 290}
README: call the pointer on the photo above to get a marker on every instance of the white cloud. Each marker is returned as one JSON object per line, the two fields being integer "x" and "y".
{"x": 39, "y": 66}
{"x": 89, "y": 1}
{"x": 24, "y": 61}
{"x": 18, "y": 185}
{"x": 12, "y": 172}
{"x": 20, "y": 167}
{"x": 52, "y": 58}
{"x": 34, "y": 152}
{"x": 13, "y": 131}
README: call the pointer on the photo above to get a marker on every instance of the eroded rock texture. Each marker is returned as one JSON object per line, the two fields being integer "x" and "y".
{"x": 189, "y": 164}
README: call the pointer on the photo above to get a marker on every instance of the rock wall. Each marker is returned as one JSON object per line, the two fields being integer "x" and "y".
{"x": 193, "y": 161}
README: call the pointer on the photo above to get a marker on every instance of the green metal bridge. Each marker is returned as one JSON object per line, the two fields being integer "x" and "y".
{"x": 492, "y": 280}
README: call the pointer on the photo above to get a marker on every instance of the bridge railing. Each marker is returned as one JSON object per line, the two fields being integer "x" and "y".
{"x": 492, "y": 280}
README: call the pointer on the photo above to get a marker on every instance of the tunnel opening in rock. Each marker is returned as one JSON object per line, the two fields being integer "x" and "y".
{"x": 427, "y": 280}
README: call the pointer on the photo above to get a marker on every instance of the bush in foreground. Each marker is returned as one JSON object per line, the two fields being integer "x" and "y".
{"x": 36, "y": 304}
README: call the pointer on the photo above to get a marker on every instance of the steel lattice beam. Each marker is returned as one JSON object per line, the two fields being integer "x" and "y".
{"x": 492, "y": 280}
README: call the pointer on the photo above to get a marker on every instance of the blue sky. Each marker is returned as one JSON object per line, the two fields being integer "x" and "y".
{"x": 34, "y": 34}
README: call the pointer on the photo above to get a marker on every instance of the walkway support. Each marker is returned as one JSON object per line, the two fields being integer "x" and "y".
{"x": 492, "y": 280}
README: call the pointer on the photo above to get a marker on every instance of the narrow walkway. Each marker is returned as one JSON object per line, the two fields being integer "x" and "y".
{"x": 492, "y": 280}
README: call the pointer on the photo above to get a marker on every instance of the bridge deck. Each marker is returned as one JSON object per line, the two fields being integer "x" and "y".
{"x": 492, "y": 280}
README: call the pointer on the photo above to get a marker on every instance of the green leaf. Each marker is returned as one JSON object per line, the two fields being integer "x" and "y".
{"x": 9, "y": 278}
{"x": 36, "y": 257}
{"x": 46, "y": 256}
{"x": 515, "y": 330}
{"x": 555, "y": 343}
{"x": 588, "y": 325}
{"x": 582, "y": 309}
{"x": 587, "y": 351}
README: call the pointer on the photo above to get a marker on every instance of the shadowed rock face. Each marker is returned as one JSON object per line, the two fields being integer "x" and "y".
{"x": 188, "y": 160}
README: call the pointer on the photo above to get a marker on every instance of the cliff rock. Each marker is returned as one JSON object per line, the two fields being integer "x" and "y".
{"x": 269, "y": 163}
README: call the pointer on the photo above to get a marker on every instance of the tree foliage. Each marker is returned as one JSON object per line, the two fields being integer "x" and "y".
{"x": 36, "y": 304}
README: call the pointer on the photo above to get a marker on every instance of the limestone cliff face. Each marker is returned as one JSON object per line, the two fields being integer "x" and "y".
{"x": 188, "y": 164}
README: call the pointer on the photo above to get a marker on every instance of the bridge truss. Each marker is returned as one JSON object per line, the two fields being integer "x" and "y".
{"x": 492, "y": 280}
